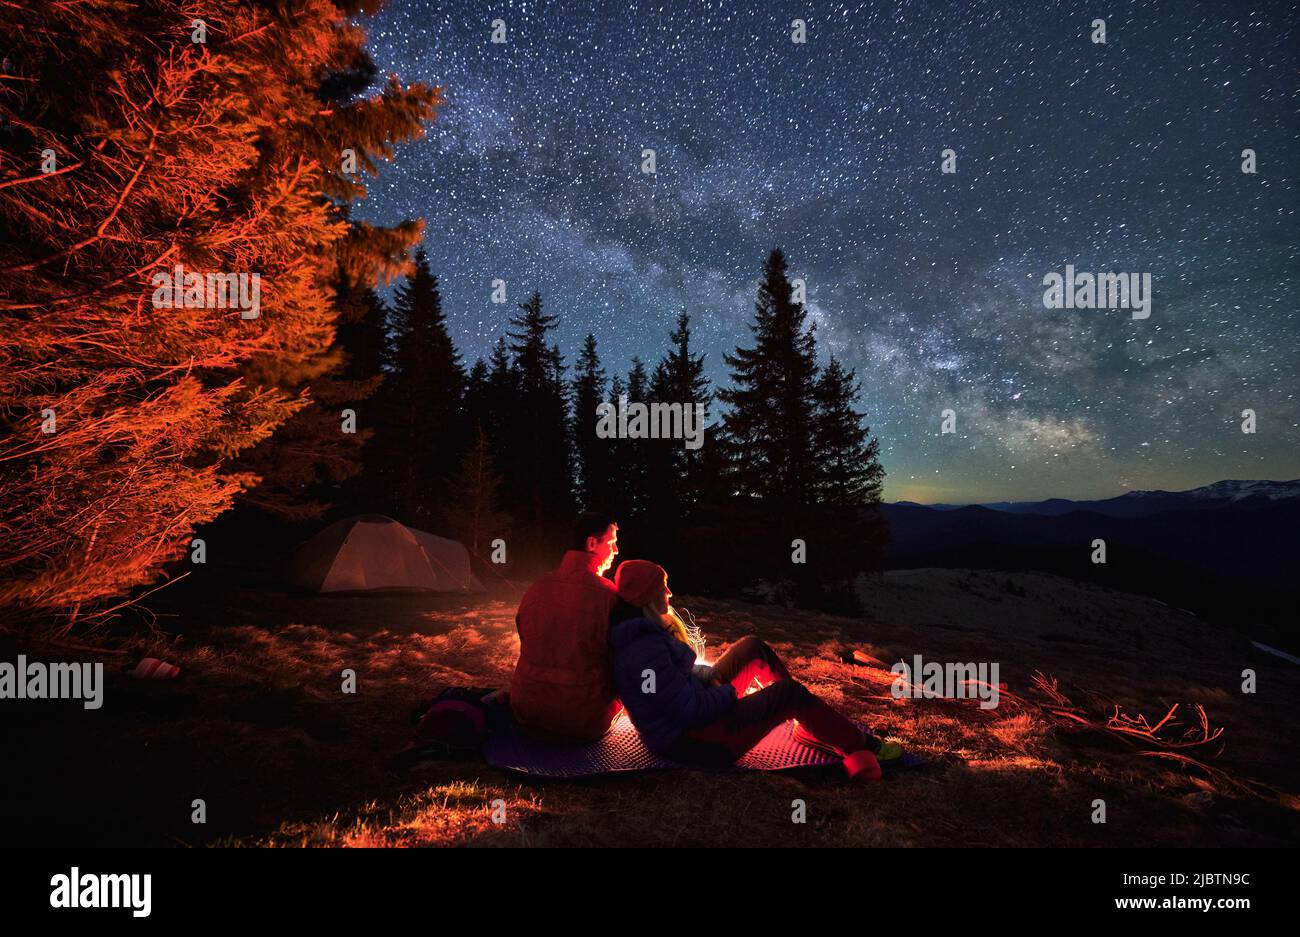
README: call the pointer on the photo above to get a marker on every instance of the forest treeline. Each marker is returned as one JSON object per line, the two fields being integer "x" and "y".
{"x": 508, "y": 448}
{"x": 127, "y": 428}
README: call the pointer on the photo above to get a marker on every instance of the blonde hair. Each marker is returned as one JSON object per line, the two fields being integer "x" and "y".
{"x": 673, "y": 623}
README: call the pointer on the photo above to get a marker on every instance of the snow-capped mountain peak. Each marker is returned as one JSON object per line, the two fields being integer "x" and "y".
{"x": 1230, "y": 490}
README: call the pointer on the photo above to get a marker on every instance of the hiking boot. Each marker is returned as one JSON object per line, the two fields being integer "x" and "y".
{"x": 862, "y": 766}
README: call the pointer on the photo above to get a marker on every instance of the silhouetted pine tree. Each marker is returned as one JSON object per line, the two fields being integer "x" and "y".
{"x": 592, "y": 453}
{"x": 425, "y": 436}
{"x": 474, "y": 517}
{"x": 768, "y": 426}
{"x": 637, "y": 381}
{"x": 362, "y": 331}
{"x": 496, "y": 407}
{"x": 848, "y": 463}
{"x": 661, "y": 506}
{"x": 634, "y": 454}
{"x": 537, "y": 471}
{"x": 845, "y": 533}
{"x": 620, "y": 499}
{"x": 476, "y": 396}
{"x": 679, "y": 378}
{"x": 363, "y": 336}
{"x": 562, "y": 398}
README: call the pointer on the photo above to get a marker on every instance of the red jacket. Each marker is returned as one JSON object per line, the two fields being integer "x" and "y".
{"x": 562, "y": 684}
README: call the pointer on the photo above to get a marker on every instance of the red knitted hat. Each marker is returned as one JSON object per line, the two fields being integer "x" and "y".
{"x": 640, "y": 582}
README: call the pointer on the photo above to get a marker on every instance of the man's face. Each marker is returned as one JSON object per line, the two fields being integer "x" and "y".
{"x": 605, "y": 548}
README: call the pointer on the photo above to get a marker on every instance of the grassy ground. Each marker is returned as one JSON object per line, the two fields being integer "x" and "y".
{"x": 259, "y": 729}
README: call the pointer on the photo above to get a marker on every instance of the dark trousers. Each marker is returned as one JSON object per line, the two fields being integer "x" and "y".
{"x": 754, "y": 716}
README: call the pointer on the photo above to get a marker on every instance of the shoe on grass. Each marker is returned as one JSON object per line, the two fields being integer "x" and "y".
{"x": 889, "y": 751}
{"x": 862, "y": 766}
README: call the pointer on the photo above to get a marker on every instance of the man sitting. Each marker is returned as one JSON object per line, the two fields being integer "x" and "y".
{"x": 562, "y": 686}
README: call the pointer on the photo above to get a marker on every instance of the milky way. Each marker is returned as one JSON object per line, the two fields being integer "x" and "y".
{"x": 1117, "y": 157}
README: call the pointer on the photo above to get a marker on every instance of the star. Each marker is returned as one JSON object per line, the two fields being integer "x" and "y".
{"x": 1123, "y": 156}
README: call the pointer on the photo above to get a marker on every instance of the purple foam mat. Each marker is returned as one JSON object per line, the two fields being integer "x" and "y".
{"x": 622, "y": 750}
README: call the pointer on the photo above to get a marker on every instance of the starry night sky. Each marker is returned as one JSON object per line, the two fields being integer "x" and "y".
{"x": 1124, "y": 157}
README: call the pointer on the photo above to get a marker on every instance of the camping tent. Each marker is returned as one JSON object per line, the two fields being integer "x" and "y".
{"x": 372, "y": 552}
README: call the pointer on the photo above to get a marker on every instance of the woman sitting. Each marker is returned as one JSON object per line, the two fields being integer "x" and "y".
{"x": 699, "y": 714}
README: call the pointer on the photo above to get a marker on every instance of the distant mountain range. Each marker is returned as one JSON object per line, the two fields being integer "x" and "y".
{"x": 1145, "y": 503}
{"x": 1229, "y": 551}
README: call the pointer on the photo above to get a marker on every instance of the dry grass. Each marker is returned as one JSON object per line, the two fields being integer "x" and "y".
{"x": 260, "y": 729}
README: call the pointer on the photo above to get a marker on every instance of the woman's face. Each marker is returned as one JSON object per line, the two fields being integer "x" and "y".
{"x": 662, "y": 604}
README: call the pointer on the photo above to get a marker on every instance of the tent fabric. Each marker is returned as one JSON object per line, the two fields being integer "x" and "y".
{"x": 375, "y": 553}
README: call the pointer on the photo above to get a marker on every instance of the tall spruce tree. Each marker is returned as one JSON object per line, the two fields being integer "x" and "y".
{"x": 537, "y": 469}
{"x": 684, "y": 371}
{"x": 679, "y": 378}
{"x": 768, "y": 426}
{"x": 425, "y": 437}
{"x": 633, "y": 454}
{"x": 561, "y": 397}
{"x": 617, "y": 456}
{"x": 362, "y": 331}
{"x": 661, "y": 464}
{"x": 592, "y": 452}
{"x": 848, "y": 463}
{"x": 363, "y": 335}
{"x": 476, "y": 398}
{"x": 496, "y": 408}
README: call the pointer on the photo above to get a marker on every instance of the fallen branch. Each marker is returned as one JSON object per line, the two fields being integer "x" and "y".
{"x": 1137, "y": 727}
{"x": 1164, "y": 734}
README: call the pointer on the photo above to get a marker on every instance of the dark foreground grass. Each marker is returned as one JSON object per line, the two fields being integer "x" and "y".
{"x": 259, "y": 730}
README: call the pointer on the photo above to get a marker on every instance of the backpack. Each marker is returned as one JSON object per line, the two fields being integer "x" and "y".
{"x": 454, "y": 723}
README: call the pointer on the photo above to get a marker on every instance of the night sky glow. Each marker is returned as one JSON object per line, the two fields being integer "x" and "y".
{"x": 1122, "y": 157}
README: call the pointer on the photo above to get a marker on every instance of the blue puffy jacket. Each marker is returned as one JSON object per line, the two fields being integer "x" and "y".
{"x": 680, "y": 701}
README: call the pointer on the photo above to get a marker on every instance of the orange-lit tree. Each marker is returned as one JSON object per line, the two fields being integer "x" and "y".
{"x": 130, "y": 146}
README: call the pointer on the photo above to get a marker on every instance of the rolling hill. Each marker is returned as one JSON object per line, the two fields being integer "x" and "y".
{"x": 1227, "y": 551}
